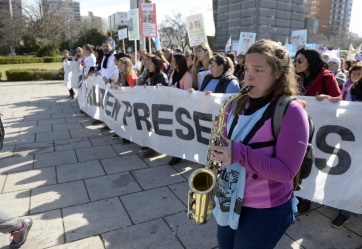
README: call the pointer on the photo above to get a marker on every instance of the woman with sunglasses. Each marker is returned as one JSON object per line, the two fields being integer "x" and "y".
{"x": 316, "y": 80}
{"x": 220, "y": 79}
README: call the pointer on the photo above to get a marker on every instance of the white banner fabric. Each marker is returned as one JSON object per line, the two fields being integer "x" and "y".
{"x": 177, "y": 123}
{"x": 72, "y": 71}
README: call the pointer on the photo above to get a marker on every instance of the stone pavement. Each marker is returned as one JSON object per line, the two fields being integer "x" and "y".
{"x": 85, "y": 190}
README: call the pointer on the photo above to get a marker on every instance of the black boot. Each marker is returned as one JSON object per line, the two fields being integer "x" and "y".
{"x": 71, "y": 93}
{"x": 303, "y": 205}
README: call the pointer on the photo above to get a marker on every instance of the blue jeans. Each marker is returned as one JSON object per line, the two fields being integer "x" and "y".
{"x": 259, "y": 228}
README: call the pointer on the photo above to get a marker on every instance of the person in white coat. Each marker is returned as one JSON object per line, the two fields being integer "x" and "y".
{"x": 108, "y": 65}
{"x": 67, "y": 75}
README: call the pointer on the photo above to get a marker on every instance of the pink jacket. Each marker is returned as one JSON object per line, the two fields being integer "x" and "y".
{"x": 275, "y": 166}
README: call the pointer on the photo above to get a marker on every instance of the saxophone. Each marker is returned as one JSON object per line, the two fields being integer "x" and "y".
{"x": 202, "y": 181}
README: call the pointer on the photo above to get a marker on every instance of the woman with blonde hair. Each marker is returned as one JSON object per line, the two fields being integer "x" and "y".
{"x": 128, "y": 76}
{"x": 201, "y": 64}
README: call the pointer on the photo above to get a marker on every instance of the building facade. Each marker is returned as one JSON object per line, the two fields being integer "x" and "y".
{"x": 330, "y": 17}
{"x": 92, "y": 22}
{"x": 65, "y": 8}
{"x": 10, "y": 9}
{"x": 117, "y": 19}
{"x": 273, "y": 19}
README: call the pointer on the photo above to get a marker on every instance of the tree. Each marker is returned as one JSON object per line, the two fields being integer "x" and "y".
{"x": 42, "y": 26}
{"x": 91, "y": 36}
{"x": 173, "y": 32}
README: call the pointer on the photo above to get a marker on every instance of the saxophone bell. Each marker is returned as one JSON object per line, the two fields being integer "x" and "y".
{"x": 202, "y": 182}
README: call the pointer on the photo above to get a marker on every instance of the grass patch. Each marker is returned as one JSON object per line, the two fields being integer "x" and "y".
{"x": 53, "y": 65}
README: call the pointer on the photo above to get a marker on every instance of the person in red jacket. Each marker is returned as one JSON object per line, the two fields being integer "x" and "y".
{"x": 317, "y": 81}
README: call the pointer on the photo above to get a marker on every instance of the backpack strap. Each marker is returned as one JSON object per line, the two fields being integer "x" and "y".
{"x": 268, "y": 113}
{"x": 279, "y": 112}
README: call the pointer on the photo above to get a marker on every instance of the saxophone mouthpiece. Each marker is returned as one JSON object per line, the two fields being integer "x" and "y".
{"x": 246, "y": 89}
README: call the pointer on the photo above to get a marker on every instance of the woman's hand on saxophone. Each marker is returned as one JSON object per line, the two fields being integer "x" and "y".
{"x": 222, "y": 153}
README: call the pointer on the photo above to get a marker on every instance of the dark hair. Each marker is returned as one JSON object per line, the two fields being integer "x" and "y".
{"x": 107, "y": 42}
{"x": 100, "y": 57}
{"x": 89, "y": 47}
{"x": 316, "y": 64}
{"x": 157, "y": 61}
{"x": 278, "y": 58}
{"x": 349, "y": 63}
{"x": 354, "y": 67}
{"x": 239, "y": 69}
{"x": 231, "y": 55}
{"x": 180, "y": 61}
{"x": 160, "y": 54}
{"x": 121, "y": 55}
{"x": 220, "y": 60}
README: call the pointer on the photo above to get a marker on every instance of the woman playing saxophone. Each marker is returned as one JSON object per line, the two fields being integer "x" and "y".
{"x": 254, "y": 194}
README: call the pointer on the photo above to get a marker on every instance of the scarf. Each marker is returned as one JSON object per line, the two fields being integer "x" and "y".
{"x": 229, "y": 193}
{"x": 106, "y": 56}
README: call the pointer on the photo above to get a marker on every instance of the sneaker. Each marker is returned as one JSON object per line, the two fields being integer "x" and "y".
{"x": 174, "y": 160}
{"x": 339, "y": 221}
{"x": 115, "y": 136}
{"x": 19, "y": 237}
{"x": 148, "y": 153}
{"x": 97, "y": 122}
{"x": 303, "y": 205}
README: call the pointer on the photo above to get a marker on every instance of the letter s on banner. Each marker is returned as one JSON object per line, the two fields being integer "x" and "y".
{"x": 344, "y": 158}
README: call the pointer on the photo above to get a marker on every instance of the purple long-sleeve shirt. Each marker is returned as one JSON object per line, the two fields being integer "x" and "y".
{"x": 275, "y": 166}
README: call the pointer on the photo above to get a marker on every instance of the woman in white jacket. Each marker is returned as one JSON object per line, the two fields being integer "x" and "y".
{"x": 89, "y": 60}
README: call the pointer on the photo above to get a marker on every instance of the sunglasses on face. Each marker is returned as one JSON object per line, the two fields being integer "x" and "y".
{"x": 78, "y": 51}
{"x": 299, "y": 61}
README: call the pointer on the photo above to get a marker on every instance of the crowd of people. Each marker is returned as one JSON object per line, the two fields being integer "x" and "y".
{"x": 271, "y": 72}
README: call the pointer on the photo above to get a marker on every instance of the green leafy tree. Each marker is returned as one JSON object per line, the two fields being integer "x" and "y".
{"x": 91, "y": 36}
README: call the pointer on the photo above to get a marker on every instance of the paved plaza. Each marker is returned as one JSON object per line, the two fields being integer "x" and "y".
{"x": 85, "y": 190}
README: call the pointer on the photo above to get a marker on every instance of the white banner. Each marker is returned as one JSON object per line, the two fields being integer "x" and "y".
{"x": 72, "y": 70}
{"x": 177, "y": 123}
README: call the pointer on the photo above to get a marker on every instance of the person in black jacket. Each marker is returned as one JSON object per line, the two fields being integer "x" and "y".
{"x": 156, "y": 75}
